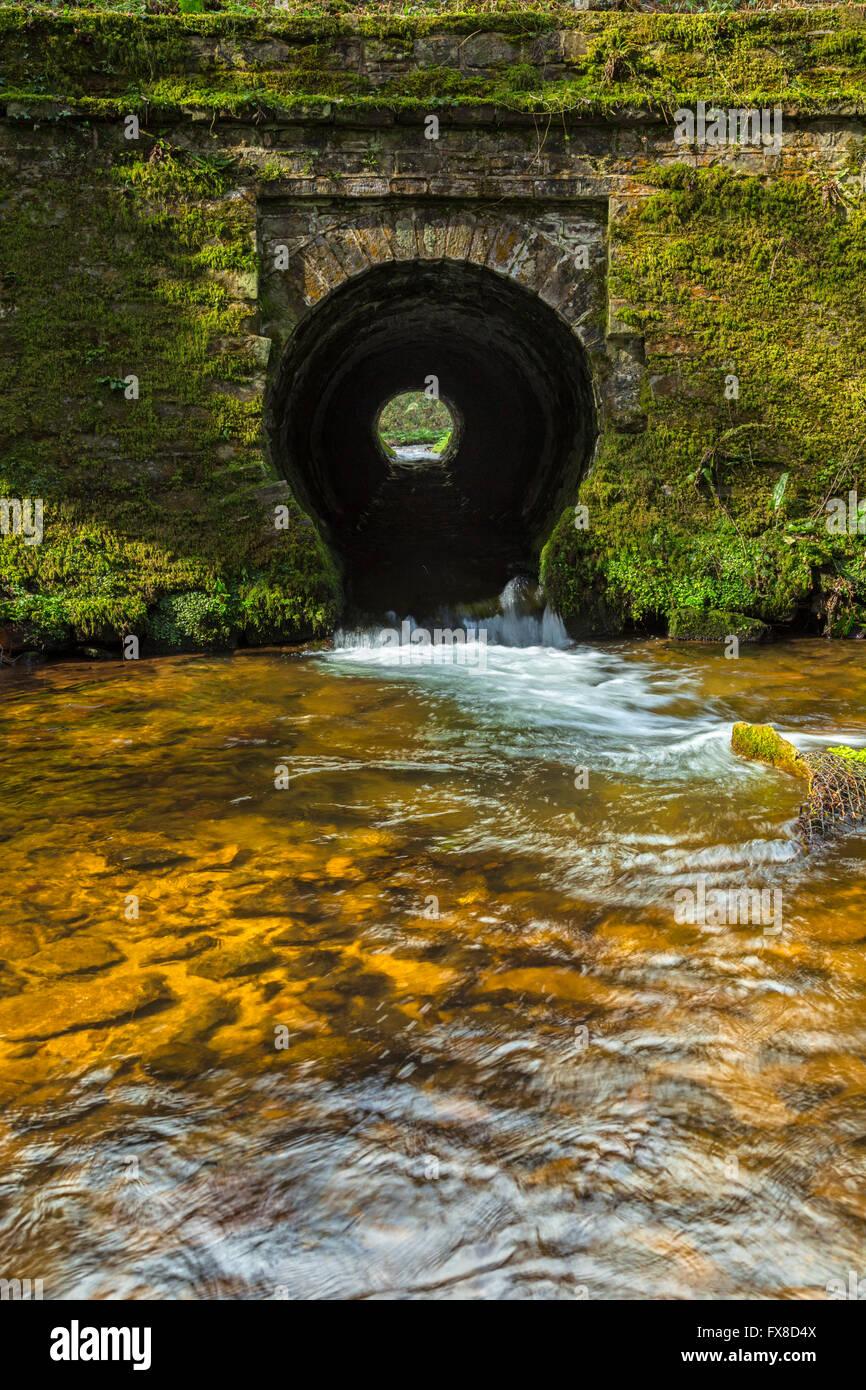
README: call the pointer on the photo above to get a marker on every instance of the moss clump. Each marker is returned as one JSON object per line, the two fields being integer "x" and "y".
{"x": 853, "y": 755}
{"x": 577, "y": 583}
{"x": 760, "y": 743}
{"x": 37, "y": 622}
{"x": 190, "y": 622}
{"x": 107, "y": 63}
{"x": 290, "y": 603}
{"x": 714, "y": 625}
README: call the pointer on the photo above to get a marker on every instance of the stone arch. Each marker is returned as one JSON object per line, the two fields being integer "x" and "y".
{"x": 544, "y": 261}
{"x": 505, "y": 316}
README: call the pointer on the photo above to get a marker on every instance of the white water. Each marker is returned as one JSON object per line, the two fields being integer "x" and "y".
{"x": 521, "y": 621}
{"x": 666, "y": 799}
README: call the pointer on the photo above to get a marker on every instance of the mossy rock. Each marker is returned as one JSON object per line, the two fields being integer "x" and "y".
{"x": 716, "y": 625}
{"x": 760, "y": 743}
{"x": 836, "y": 778}
{"x": 97, "y": 654}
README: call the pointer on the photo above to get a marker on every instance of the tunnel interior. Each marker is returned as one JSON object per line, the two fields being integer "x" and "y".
{"x": 417, "y": 539}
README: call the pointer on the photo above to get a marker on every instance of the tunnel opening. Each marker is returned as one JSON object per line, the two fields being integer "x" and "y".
{"x": 515, "y": 381}
{"x": 417, "y": 427}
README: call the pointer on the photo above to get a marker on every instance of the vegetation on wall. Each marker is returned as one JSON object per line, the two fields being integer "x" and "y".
{"x": 722, "y": 504}
{"x": 105, "y": 63}
{"x": 151, "y": 521}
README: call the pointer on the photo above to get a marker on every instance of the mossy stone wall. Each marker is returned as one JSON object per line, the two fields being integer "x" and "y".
{"x": 140, "y": 257}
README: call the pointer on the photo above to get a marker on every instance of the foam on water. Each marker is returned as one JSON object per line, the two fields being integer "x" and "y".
{"x": 519, "y": 671}
{"x": 655, "y": 743}
{"x": 520, "y": 619}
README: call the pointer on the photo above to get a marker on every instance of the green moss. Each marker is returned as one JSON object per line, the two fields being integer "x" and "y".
{"x": 40, "y": 622}
{"x": 576, "y": 583}
{"x": 851, "y": 755}
{"x": 686, "y": 514}
{"x": 760, "y": 743}
{"x": 107, "y": 63}
{"x": 147, "y": 528}
{"x": 522, "y": 77}
{"x": 190, "y": 622}
{"x": 711, "y": 625}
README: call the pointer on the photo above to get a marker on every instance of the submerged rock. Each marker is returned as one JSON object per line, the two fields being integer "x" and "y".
{"x": 73, "y": 955}
{"x": 178, "y": 1045}
{"x": 179, "y": 949}
{"x": 10, "y": 982}
{"x": 181, "y": 1061}
{"x": 48, "y": 1012}
{"x": 17, "y": 940}
{"x": 246, "y": 958}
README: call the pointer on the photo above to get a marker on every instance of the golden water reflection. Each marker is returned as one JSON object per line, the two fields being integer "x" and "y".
{"x": 422, "y": 1020}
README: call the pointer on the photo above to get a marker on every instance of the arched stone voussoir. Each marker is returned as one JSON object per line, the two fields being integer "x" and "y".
{"x": 503, "y": 245}
{"x": 536, "y": 258}
{"x": 507, "y": 241}
{"x": 349, "y": 251}
{"x": 322, "y": 272}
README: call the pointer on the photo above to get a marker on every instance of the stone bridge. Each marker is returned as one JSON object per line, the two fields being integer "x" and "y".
{"x": 455, "y": 232}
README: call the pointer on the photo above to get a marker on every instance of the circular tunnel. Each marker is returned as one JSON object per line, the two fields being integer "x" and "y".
{"x": 514, "y": 376}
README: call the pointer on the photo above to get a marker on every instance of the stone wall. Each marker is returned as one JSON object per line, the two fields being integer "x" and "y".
{"x": 157, "y": 256}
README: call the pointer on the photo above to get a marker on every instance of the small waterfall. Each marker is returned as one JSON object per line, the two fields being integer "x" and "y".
{"x": 518, "y": 618}
{"x": 523, "y": 619}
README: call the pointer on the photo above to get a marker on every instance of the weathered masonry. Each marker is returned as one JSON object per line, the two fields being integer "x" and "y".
{"x": 275, "y": 227}
{"x": 505, "y": 307}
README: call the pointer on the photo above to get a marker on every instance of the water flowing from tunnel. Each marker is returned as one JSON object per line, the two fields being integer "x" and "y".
{"x": 509, "y": 1070}
{"x": 520, "y": 617}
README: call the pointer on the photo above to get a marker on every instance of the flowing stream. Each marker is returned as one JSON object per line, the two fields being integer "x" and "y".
{"x": 355, "y": 976}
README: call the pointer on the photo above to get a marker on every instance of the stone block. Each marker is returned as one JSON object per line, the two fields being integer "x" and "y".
{"x": 487, "y": 51}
